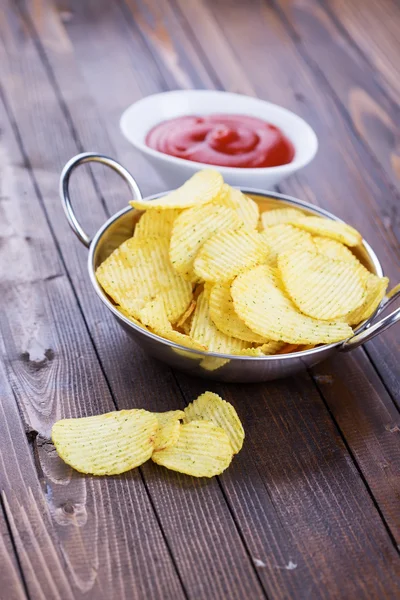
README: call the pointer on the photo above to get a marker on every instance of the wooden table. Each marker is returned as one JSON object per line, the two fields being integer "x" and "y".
{"x": 311, "y": 507}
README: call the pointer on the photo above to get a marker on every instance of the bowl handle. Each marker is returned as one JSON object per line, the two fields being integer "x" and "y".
{"x": 71, "y": 165}
{"x": 375, "y": 328}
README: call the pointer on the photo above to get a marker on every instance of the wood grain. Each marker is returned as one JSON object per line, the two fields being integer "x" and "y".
{"x": 12, "y": 586}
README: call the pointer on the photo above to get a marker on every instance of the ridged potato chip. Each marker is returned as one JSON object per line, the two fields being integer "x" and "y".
{"x": 192, "y": 228}
{"x": 264, "y": 308}
{"x": 278, "y": 216}
{"x": 138, "y": 271}
{"x": 187, "y": 314}
{"x": 327, "y": 227}
{"x": 267, "y": 349}
{"x": 156, "y": 223}
{"x": 202, "y": 450}
{"x": 321, "y": 287}
{"x": 375, "y": 292}
{"x": 130, "y": 317}
{"x": 211, "y": 407}
{"x": 106, "y": 444}
{"x": 204, "y": 186}
{"x": 228, "y": 252}
{"x": 169, "y": 425}
{"x": 284, "y": 237}
{"x": 222, "y": 313}
{"x": 334, "y": 249}
{"x": 205, "y": 332}
{"x": 245, "y": 207}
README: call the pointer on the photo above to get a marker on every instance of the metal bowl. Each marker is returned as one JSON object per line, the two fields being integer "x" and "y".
{"x": 212, "y": 365}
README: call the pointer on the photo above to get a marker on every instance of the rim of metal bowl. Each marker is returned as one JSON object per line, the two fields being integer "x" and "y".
{"x": 274, "y": 195}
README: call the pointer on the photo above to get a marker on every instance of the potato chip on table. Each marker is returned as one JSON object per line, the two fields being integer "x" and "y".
{"x": 169, "y": 423}
{"x": 106, "y": 444}
{"x": 265, "y": 308}
{"x": 202, "y": 450}
{"x": 203, "y": 187}
{"x": 336, "y": 230}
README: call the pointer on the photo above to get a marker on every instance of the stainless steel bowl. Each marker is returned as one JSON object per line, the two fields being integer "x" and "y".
{"x": 211, "y": 365}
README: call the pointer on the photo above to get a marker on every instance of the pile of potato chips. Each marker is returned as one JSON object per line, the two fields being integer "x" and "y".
{"x": 200, "y": 440}
{"x": 205, "y": 270}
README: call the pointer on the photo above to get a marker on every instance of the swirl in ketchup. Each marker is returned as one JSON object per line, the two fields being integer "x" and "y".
{"x": 223, "y": 140}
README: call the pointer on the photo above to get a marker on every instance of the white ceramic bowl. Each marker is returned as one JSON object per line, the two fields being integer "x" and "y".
{"x": 140, "y": 117}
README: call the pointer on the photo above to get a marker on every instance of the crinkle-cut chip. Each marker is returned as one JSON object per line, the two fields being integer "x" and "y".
{"x": 138, "y": 271}
{"x": 169, "y": 424}
{"x": 212, "y": 363}
{"x": 222, "y": 313}
{"x": 205, "y": 332}
{"x": 268, "y": 349}
{"x": 156, "y": 223}
{"x": 203, "y": 187}
{"x": 106, "y": 444}
{"x": 334, "y": 249}
{"x": 265, "y": 309}
{"x": 321, "y": 287}
{"x": 278, "y": 216}
{"x": 130, "y": 317}
{"x": 245, "y": 207}
{"x": 211, "y": 407}
{"x": 284, "y": 237}
{"x": 202, "y": 450}
{"x": 154, "y": 316}
{"x": 192, "y": 228}
{"x": 228, "y": 252}
{"x": 187, "y": 314}
{"x": 336, "y": 230}
{"x": 375, "y": 292}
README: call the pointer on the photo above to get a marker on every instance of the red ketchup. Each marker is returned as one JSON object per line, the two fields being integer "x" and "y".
{"x": 223, "y": 140}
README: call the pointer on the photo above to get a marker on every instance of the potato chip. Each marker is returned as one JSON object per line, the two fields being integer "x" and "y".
{"x": 169, "y": 428}
{"x": 192, "y": 228}
{"x": 202, "y": 450}
{"x": 228, "y": 252}
{"x": 224, "y": 317}
{"x": 321, "y": 287}
{"x": 154, "y": 316}
{"x": 211, "y": 407}
{"x": 334, "y": 249}
{"x": 264, "y": 308}
{"x": 156, "y": 223}
{"x": 288, "y": 348}
{"x": 187, "y": 314}
{"x": 106, "y": 444}
{"x": 130, "y": 317}
{"x": 205, "y": 332}
{"x": 212, "y": 363}
{"x": 267, "y": 349}
{"x": 138, "y": 271}
{"x": 284, "y": 237}
{"x": 327, "y": 227}
{"x": 375, "y": 292}
{"x": 245, "y": 207}
{"x": 280, "y": 215}
{"x": 203, "y": 187}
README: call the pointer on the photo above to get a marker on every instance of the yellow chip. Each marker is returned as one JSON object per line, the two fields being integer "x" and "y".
{"x": 204, "y": 186}
{"x": 205, "y": 332}
{"x": 267, "y": 349}
{"x": 130, "y": 317}
{"x": 264, "y": 308}
{"x": 375, "y": 292}
{"x": 169, "y": 428}
{"x": 106, "y": 444}
{"x": 279, "y": 216}
{"x": 334, "y": 249}
{"x": 138, "y": 271}
{"x": 321, "y": 287}
{"x": 156, "y": 223}
{"x": 211, "y": 407}
{"x": 187, "y": 314}
{"x": 202, "y": 450}
{"x": 284, "y": 237}
{"x": 228, "y": 252}
{"x": 192, "y": 228}
{"x": 336, "y": 230}
{"x": 222, "y": 313}
{"x": 245, "y": 207}
{"x": 154, "y": 316}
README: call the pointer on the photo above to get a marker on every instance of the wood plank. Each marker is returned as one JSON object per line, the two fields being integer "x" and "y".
{"x": 12, "y": 586}
{"x": 273, "y": 574}
{"x": 341, "y": 69}
{"x": 225, "y": 551}
{"x": 75, "y": 537}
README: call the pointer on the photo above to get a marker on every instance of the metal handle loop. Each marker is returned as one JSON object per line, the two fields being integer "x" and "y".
{"x": 376, "y": 328}
{"x": 71, "y": 165}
